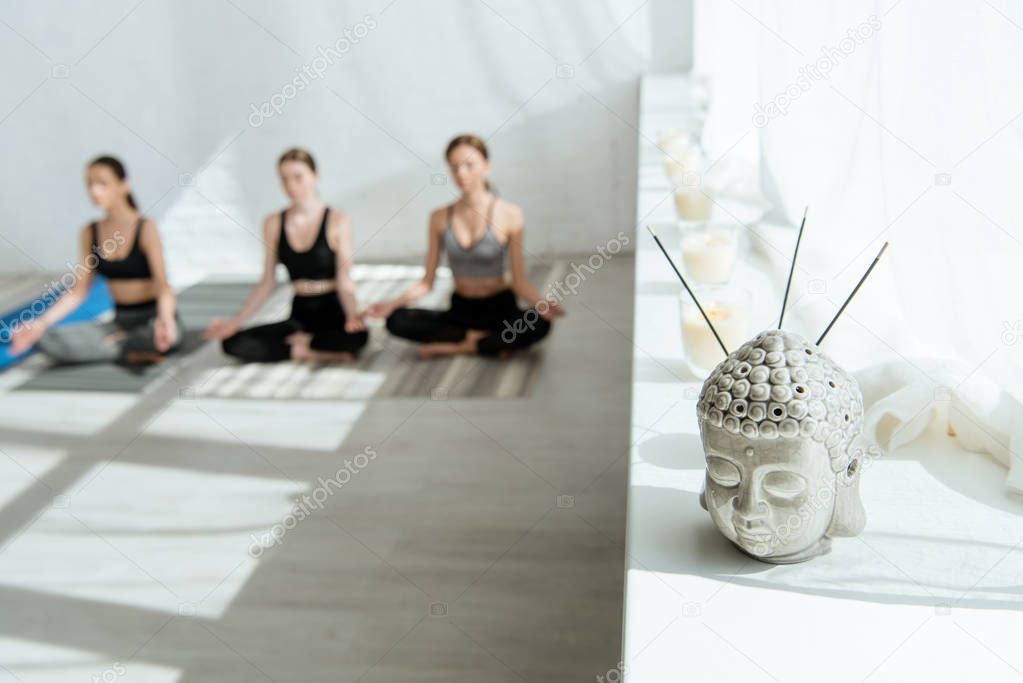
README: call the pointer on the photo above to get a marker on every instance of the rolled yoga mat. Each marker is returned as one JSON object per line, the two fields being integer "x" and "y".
{"x": 97, "y": 302}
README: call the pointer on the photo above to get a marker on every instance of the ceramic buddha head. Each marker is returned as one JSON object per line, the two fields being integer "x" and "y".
{"x": 781, "y": 429}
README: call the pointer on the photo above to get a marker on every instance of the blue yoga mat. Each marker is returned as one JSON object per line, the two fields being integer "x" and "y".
{"x": 97, "y": 302}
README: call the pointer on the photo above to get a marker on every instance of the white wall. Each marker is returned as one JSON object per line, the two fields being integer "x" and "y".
{"x": 169, "y": 87}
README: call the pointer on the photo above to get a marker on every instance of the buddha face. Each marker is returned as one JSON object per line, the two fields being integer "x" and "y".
{"x": 781, "y": 426}
{"x": 774, "y": 498}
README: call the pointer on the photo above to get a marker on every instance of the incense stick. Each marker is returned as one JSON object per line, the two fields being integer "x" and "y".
{"x": 693, "y": 296}
{"x": 792, "y": 268}
{"x": 852, "y": 294}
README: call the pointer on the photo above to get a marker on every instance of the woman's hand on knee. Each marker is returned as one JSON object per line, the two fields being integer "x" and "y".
{"x": 549, "y": 309}
{"x": 165, "y": 334}
{"x": 25, "y": 337}
{"x": 380, "y": 309}
{"x": 356, "y": 324}
{"x": 220, "y": 328}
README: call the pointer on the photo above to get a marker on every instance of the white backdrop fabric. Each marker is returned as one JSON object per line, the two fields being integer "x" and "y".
{"x": 171, "y": 85}
{"x": 897, "y": 120}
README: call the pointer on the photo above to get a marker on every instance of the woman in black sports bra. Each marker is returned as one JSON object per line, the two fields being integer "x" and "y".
{"x": 125, "y": 248}
{"x": 482, "y": 237}
{"x": 315, "y": 245}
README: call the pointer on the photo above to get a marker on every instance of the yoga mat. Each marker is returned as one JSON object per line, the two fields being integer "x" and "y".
{"x": 387, "y": 367}
{"x": 97, "y": 302}
{"x": 197, "y": 305}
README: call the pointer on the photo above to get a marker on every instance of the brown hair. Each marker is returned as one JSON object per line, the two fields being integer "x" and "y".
{"x": 474, "y": 141}
{"x": 115, "y": 165}
{"x": 298, "y": 154}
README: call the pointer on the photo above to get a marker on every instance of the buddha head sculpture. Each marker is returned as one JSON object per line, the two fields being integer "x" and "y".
{"x": 781, "y": 429}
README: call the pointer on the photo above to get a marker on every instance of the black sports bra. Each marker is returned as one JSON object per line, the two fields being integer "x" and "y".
{"x": 319, "y": 262}
{"x": 134, "y": 266}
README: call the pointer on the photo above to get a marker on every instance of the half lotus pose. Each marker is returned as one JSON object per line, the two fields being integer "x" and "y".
{"x": 124, "y": 247}
{"x": 477, "y": 232}
{"x": 314, "y": 243}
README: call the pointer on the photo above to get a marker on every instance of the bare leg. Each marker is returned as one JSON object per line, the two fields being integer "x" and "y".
{"x": 466, "y": 347}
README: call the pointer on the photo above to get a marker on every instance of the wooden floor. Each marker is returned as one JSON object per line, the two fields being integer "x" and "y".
{"x": 165, "y": 536}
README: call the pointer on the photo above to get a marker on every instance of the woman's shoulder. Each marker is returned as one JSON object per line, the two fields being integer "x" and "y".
{"x": 272, "y": 220}
{"x": 337, "y": 217}
{"x": 508, "y": 207}
{"x": 444, "y": 209}
{"x": 439, "y": 216}
{"x": 508, "y": 215}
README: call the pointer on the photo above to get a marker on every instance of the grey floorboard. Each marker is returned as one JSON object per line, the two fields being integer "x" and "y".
{"x": 127, "y": 518}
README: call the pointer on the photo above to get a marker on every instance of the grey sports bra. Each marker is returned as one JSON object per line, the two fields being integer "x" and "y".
{"x": 484, "y": 259}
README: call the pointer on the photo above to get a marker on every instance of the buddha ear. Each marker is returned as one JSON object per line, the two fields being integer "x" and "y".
{"x": 849, "y": 517}
{"x": 703, "y": 496}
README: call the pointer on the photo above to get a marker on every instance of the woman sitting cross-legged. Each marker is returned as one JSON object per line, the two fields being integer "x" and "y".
{"x": 477, "y": 232}
{"x": 124, "y": 247}
{"x": 315, "y": 244}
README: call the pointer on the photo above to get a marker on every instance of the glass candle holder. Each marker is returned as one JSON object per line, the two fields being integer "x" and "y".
{"x": 693, "y": 198}
{"x": 678, "y": 154}
{"x": 709, "y": 251}
{"x": 729, "y": 308}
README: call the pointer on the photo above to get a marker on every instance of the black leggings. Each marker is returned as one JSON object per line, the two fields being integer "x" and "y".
{"x": 321, "y": 316}
{"x": 510, "y": 327}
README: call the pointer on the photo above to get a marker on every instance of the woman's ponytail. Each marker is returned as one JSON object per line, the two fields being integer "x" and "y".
{"x": 115, "y": 165}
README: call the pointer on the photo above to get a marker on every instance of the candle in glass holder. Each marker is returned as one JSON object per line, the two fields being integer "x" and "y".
{"x": 685, "y": 165}
{"x": 709, "y": 252}
{"x": 693, "y": 204}
{"x": 677, "y": 155}
{"x": 729, "y": 310}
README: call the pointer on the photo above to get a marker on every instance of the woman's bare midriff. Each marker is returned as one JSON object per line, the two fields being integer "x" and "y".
{"x": 128, "y": 292}
{"x": 313, "y": 287}
{"x": 479, "y": 288}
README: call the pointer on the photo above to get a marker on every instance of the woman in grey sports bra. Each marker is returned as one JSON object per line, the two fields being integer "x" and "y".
{"x": 479, "y": 233}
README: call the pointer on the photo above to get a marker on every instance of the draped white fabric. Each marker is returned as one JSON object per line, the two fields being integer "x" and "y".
{"x": 897, "y": 120}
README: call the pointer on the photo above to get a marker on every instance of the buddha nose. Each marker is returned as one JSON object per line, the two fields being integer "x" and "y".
{"x": 749, "y": 506}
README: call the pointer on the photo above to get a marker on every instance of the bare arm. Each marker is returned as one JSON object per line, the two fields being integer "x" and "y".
{"x": 425, "y": 285}
{"x": 268, "y": 282}
{"x": 73, "y": 297}
{"x": 219, "y": 328}
{"x": 165, "y": 331}
{"x": 346, "y": 291}
{"x": 27, "y": 334}
{"x": 152, "y": 247}
{"x": 521, "y": 285}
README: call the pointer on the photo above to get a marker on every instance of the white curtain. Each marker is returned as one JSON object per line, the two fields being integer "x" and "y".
{"x": 897, "y": 120}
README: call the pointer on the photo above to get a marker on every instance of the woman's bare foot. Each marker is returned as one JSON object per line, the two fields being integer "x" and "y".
{"x": 302, "y": 350}
{"x": 466, "y": 347}
{"x": 300, "y": 343}
{"x": 330, "y": 356}
{"x": 144, "y": 357}
{"x": 115, "y": 338}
